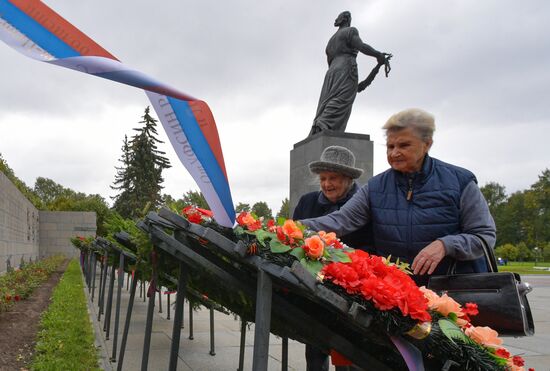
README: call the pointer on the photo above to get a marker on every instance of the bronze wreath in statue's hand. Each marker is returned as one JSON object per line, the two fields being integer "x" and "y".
{"x": 383, "y": 60}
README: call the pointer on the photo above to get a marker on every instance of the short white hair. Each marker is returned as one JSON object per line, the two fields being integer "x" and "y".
{"x": 422, "y": 122}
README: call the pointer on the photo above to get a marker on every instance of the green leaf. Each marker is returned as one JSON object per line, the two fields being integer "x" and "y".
{"x": 238, "y": 230}
{"x": 299, "y": 253}
{"x": 452, "y": 331}
{"x": 281, "y": 220}
{"x": 262, "y": 236}
{"x": 337, "y": 255}
{"x": 313, "y": 266}
{"x": 452, "y": 316}
{"x": 278, "y": 247}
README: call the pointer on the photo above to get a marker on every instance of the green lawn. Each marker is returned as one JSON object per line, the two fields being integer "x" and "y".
{"x": 66, "y": 338}
{"x": 525, "y": 267}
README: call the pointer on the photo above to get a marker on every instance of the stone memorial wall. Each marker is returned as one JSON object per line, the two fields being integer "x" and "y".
{"x": 27, "y": 233}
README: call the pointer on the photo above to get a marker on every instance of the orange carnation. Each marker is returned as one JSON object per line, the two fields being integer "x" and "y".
{"x": 314, "y": 247}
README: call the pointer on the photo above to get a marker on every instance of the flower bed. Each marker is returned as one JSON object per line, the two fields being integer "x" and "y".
{"x": 20, "y": 283}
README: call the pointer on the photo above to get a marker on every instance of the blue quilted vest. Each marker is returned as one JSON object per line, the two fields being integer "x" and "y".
{"x": 410, "y": 212}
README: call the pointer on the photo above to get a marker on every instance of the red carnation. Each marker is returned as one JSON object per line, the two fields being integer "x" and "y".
{"x": 502, "y": 353}
{"x": 271, "y": 225}
{"x": 518, "y": 361}
{"x": 16, "y": 298}
{"x": 205, "y": 212}
{"x": 470, "y": 309}
{"x": 281, "y": 235}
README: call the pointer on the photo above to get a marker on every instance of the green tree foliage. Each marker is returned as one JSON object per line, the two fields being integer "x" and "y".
{"x": 524, "y": 215}
{"x": 495, "y": 194}
{"x": 49, "y": 191}
{"x": 55, "y": 197}
{"x": 125, "y": 201}
{"x": 507, "y": 251}
{"x": 541, "y": 206}
{"x": 284, "y": 211}
{"x": 524, "y": 253}
{"x": 242, "y": 207}
{"x": 139, "y": 178}
{"x": 261, "y": 209}
{"x": 19, "y": 184}
{"x": 195, "y": 198}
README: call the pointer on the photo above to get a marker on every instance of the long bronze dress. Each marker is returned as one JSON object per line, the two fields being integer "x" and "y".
{"x": 340, "y": 85}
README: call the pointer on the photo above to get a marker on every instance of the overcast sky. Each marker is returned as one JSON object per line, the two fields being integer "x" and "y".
{"x": 481, "y": 67}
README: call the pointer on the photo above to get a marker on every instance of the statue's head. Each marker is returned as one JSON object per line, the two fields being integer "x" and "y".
{"x": 343, "y": 19}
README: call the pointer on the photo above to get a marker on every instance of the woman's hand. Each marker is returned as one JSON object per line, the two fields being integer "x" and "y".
{"x": 428, "y": 258}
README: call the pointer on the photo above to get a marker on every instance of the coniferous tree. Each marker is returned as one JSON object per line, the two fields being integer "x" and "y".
{"x": 284, "y": 211}
{"x": 260, "y": 208}
{"x": 140, "y": 177}
{"x": 125, "y": 201}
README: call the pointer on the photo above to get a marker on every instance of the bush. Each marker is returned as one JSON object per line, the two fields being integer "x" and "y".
{"x": 20, "y": 283}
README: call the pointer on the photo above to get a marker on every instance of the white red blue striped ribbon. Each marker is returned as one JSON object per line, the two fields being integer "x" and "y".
{"x": 35, "y": 30}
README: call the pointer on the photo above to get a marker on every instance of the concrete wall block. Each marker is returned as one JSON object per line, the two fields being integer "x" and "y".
{"x": 24, "y": 230}
{"x": 48, "y": 226}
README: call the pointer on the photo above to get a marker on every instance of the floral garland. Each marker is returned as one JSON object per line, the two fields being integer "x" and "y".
{"x": 386, "y": 285}
{"x": 455, "y": 324}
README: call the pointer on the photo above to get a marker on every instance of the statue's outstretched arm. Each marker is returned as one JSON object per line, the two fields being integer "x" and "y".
{"x": 366, "y": 49}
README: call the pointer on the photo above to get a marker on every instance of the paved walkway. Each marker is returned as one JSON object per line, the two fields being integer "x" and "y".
{"x": 195, "y": 354}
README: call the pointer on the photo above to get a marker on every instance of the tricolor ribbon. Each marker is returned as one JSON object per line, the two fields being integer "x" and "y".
{"x": 35, "y": 30}
{"x": 410, "y": 353}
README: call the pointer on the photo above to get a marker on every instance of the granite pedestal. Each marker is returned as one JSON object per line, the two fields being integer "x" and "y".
{"x": 310, "y": 149}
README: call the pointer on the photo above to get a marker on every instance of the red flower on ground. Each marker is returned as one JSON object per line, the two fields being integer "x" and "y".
{"x": 16, "y": 298}
{"x": 8, "y": 297}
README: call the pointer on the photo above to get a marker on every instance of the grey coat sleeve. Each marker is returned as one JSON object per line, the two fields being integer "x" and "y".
{"x": 475, "y": 220}
{"x": 352, "y": 216}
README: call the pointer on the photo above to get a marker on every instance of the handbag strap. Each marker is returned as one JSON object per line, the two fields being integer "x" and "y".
{"x": 489, "y": 255}
{"x": 487, "y": 252}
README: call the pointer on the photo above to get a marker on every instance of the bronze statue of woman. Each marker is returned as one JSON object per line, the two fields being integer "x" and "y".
{"x": 341, "y": 81}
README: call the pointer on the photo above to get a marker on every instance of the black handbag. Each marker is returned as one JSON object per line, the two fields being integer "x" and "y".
{"x": 501, "y": 297}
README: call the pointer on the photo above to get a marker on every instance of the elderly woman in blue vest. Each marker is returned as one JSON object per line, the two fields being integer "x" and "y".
{"x": 423, "y": 211}
{"x": 337, "y": 172}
